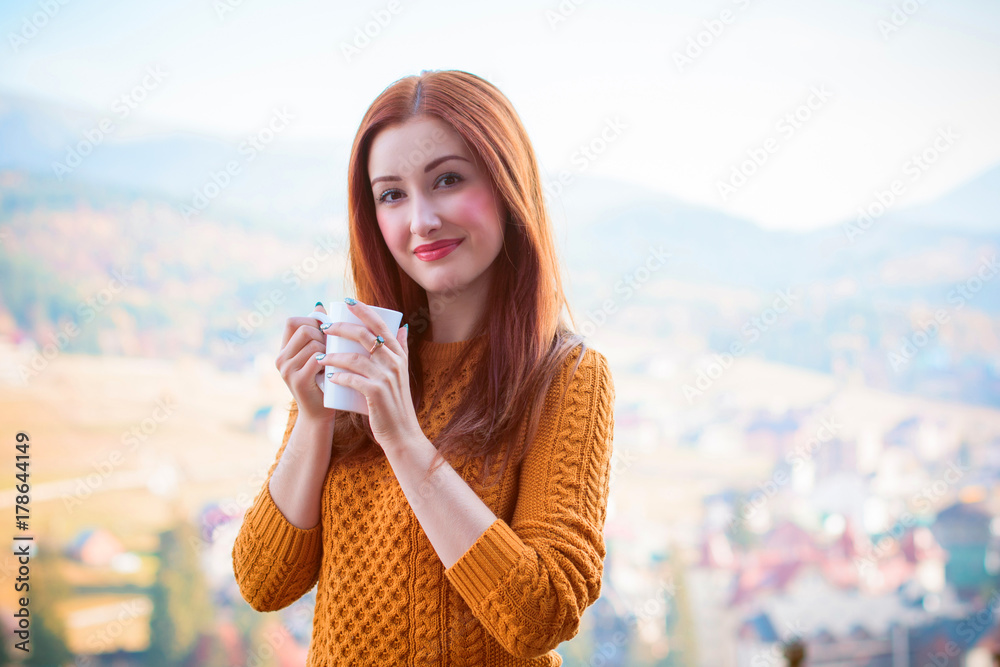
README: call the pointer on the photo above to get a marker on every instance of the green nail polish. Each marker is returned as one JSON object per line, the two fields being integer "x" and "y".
{"x": 318, "y": 303}
{"x": 349, "y": 301}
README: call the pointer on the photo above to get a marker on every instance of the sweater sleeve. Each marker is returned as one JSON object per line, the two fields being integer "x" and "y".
{"x": 529, "y": 582}
{"x": 274, "y": 561}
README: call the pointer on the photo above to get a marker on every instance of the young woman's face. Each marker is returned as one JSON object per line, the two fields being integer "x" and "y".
{"x": 431, "y": 190}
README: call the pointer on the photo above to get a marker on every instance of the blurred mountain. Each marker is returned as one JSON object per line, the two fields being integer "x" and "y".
{"x": 903, "y": 255}
{"x": 974, "y": 206}
{"x": 272, "y": 241}
{"x": 294, "y": 181}
{"x": 281, "y": 180}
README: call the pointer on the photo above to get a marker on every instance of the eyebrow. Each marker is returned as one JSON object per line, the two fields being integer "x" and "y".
{"x": 430, "y": 165}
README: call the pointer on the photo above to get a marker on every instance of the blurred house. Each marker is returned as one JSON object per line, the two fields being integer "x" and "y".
{"x": 771, "y": 435}
{"x": 966, "y": 531}
{"x": 845, "y": 627}
{"x": 95, "y": 546}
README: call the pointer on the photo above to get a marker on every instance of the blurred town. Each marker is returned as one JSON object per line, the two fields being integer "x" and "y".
{"x": 807, "y": 433}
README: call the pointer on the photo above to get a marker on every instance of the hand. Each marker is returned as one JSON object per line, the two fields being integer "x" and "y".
{"x": 300, "y": 343}
{"x": 383, "y": 377}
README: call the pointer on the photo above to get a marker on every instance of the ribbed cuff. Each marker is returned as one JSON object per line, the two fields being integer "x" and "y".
{"x": 478, "y": 572}
{"x": 277, "y": 534}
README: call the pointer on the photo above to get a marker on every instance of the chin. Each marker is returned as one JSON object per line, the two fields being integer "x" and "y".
{"x": 440, "y": 287}
{"x": 441, "y": 282}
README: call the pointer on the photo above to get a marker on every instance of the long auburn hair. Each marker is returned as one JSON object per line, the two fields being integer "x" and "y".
{"x": 522, "y": 356}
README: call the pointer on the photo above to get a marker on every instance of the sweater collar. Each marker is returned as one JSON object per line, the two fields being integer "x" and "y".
{"x": 432, "y": 353}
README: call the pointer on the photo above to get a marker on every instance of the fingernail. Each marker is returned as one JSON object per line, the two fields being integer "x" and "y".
{"x": 319, "y": 357}
{"x": 318, "y": 303}
{"x": 349, "y": 301}
{"x": 330, "y": 374}
{"x": 325, "y": 326}
{"x": 407, "y": 327}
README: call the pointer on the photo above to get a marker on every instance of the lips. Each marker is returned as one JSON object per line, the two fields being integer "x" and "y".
{"x": 436, "y": 245}
{"x": 436, "y": 250}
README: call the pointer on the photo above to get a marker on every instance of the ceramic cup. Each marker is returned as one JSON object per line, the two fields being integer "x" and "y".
{"x": 338, "y": 396}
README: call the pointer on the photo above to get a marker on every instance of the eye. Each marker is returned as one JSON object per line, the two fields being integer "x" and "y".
{"x": 450, "y": 175}
{"x": 382, "y": 197}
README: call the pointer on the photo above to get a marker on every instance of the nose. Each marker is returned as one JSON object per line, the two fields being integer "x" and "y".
{"x": 423, "y": 216}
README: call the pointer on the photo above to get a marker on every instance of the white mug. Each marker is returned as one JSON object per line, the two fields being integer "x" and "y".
{"x": 338, "y": 396}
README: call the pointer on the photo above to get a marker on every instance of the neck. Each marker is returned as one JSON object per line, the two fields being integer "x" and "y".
{"x": 454, "y": 315}
{"x": 451, "y": 327}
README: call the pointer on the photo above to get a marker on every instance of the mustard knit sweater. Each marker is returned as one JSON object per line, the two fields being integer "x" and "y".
{"x": 384, "y": 596}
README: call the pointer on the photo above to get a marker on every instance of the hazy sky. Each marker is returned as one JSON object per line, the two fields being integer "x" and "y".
{"x": 882, "y": 86}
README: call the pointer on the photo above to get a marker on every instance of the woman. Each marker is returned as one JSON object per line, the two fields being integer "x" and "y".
{"x": 460, "y": 521}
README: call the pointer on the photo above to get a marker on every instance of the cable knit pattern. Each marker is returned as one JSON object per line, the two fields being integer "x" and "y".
{"x": 384, "y": 597}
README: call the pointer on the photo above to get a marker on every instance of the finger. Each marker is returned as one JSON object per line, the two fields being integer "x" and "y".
{"x": 292, "y": 325}
{"x": 352, "y": 362}
{"x": 308, "y": 382}
{"x": 304, "y": 344}
{"x": 305, "y": 360}
{"x": 352, "y": 380}
{"x": 356, "y": 332}
{"x": 374, "y": 323}
{"x": 356, "y": 382}
{"x": 402, "y": 336}
{"x": 304, "y": 336}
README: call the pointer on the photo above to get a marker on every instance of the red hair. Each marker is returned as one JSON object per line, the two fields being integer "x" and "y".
{"x": 524, "y": 354}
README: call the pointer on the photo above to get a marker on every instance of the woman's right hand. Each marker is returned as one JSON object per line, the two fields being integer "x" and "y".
{"x": 301, "y": 341}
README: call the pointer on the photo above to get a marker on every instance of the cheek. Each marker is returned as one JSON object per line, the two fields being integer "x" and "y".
{"x": 395, "y": 235}
{"x": 478, "y": 210}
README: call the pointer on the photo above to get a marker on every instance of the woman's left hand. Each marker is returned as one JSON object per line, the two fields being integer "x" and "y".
{"x": 382, "y": 377}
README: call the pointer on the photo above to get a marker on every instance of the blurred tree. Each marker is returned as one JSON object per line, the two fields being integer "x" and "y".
{"x": 680, "y": 624}
{"x": 47, "y": 585}
{"x": 252, "y": 626}
{"x": 36, "y": 297}
{"x": 739, "y": 535}
{"x": 28, "y": 290}
{"x": 182, "y": 608}
{"x": 794, "y": 651}
{"x": 209, "y": 652}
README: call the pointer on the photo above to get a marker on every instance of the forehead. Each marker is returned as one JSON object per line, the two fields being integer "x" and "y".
{"x": 413, "y": 144}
